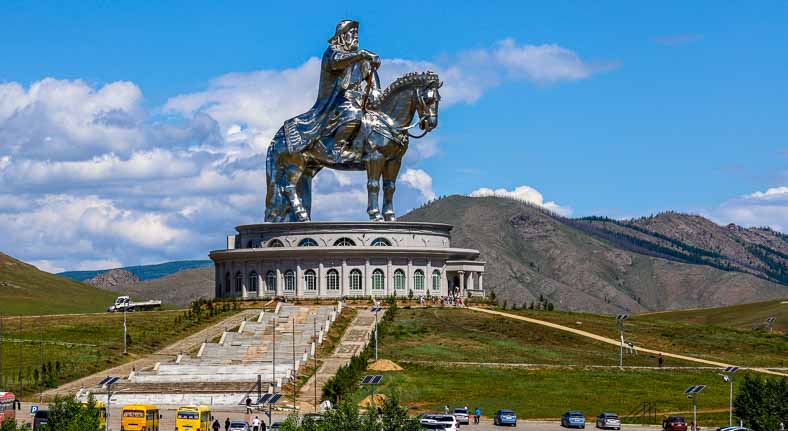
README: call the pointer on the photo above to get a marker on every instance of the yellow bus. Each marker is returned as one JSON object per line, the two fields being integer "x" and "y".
{"x": 139, "y": 417}
{"x": 193, "y": 418}
{"x": 102, "y": 414}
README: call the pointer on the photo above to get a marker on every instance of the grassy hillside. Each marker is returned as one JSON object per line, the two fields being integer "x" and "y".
{"x": 143, "y": 272}
{"x": 743, "y": 316}
{"x": 76, "y": 346}
{"x": 532, "y": 253}
{"x": 455, "y": 357}
{"x": 180, "y": 288}
{"x": 24, "y": 289}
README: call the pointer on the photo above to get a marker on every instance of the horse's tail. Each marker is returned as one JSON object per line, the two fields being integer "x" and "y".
{"x": 271, "y": 174}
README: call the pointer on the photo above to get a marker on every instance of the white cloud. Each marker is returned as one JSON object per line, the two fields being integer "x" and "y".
{"x": 757, "y": 209}
{"x": 525, "y": 194}
{"x": 89, "y": 177}
{"x": 419, "y": 180}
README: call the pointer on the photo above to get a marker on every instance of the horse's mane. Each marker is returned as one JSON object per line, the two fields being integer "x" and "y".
{"x": 406, "y": 81}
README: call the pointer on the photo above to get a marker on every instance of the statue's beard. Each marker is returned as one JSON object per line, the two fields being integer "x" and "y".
{"x": 351, "y": 45}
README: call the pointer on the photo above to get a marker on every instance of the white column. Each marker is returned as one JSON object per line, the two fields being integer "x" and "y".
{"x": 389, "y": 279}
{"x": 244, "y": 281}
{"x": 462, "y": 283}
{"x": 320, "y": 278}
{"x": 299, "y": 291}
{"x": 428, "y": 279}
{"x": 279, "y": 279}
{"x": 367, "y": 278}
{"x": 344, "y": 286}
{"x": 481, "y": 282}
{"x": 409, "y": 278}
{"x": 444, "y": 282}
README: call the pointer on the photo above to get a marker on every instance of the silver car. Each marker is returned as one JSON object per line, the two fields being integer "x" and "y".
{"x": 608, "y": 421}
{"x": 462, "y": 415}
{"x": 238, "y": 426}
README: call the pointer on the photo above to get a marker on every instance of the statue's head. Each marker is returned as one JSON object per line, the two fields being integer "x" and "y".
{"x": 346, "y": 35}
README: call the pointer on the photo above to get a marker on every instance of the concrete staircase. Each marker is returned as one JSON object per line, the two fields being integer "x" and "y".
{"x": 240, "y": 364}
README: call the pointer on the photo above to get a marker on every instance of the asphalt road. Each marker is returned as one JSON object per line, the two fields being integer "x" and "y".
{"x": 237, "y": 413}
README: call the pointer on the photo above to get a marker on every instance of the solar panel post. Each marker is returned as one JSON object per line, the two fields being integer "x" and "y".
{"x": 728, "y": 377}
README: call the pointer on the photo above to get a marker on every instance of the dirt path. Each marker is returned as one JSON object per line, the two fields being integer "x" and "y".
{"x": 617, "y": 342}
{"x": 183, "y": 345}
{"x": 352, "y": 342}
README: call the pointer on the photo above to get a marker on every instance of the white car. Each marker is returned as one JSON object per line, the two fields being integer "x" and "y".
{"x": 462, "y": 415}
{"x": 238, "y": 426}
{"x": 449, "y": 422}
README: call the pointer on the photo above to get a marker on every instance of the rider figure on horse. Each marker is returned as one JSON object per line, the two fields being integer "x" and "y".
{"x": 341, "y": 97}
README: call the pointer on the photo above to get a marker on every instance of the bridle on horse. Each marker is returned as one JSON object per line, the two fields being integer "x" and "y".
{"x": 423, "y": 108}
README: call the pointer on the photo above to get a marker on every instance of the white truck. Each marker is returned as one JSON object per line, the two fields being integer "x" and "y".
{"x": 125, "y": 303}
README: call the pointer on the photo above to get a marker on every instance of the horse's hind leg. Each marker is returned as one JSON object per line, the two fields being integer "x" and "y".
{"x": 292, "y": 176}
{"x": 375, "y": 165}
{"x": 390, "y": 172}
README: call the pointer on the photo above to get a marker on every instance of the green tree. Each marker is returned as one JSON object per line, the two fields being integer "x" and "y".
{"x": 67, "y": 414}
{"x": 13, "y": 426}
{"x": 762, "y": 404}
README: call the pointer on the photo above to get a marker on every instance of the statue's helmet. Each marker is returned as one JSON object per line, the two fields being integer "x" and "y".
{"x": 342, "y": 27}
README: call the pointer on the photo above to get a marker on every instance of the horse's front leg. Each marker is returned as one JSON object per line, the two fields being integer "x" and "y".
{"x": 390, "y": 173}
{"x": 375, "y": 163}
{"x": 292, "y": 176}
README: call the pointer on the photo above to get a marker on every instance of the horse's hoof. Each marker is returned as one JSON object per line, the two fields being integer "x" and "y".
{"x": 389, "y": 216}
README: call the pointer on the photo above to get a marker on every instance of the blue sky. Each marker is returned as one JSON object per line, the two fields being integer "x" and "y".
{"x": 616, "y": 108}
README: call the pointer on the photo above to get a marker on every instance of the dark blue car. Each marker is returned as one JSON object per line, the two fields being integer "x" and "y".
{"x": 505, "y": 417}
{"x": 573, "y": 420}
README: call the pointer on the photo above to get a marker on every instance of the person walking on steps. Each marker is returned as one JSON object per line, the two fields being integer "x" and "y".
{"x": 226, "y": 424}
{"x": 216, "y": 425}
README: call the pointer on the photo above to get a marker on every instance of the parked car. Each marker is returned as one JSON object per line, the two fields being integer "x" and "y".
{"x": 733, "y": 428}
{"x": 674, "y": 423}
{"x": 573, "y": 419}
{"x": 505, "y": 417}
{"x": 608, "y": 421}
{"x": 433, "y": 427}
{"x": 238, "y": 426}
{"x": 448, "y": 422}
{"x": 462, "y": 415}
{"x": 275, "y": 426}
{"x": 41, "y": 418}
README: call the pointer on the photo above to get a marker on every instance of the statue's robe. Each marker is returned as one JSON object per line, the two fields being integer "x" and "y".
{"x": 339, "y": 99}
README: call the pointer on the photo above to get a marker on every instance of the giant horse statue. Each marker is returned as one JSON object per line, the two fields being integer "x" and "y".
{"x": 382, "y": 139}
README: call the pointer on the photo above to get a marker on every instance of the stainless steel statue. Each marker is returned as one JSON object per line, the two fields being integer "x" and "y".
{"x": 352, "y": 126}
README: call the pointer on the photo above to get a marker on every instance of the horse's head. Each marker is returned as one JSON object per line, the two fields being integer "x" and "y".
{"x": 428, "y": 99}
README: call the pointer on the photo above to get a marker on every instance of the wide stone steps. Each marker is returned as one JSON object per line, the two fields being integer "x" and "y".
{"x": 185, "y": 387}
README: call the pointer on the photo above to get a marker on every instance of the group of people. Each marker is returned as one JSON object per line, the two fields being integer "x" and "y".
{"x": 256, "y": 425}
{"x": 474, "y": 416}
{"x": 446, "y": 301}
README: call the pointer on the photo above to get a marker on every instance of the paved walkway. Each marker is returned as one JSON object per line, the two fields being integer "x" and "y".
{"x": 184, "y": 345}
{"x": 617, "y": 343}
{"x": 352, "y": 343}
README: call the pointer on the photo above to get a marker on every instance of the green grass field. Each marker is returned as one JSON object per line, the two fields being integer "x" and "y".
{"x": 424, "y": 341}
{"x": 745, "y": 316}
{"x": 85, "y": 344}
{"x": 741, "y": 347}
{"x": 26, "y": 290}
{"x": 542, "y": 394}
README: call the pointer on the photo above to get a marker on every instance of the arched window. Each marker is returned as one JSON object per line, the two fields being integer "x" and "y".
{"x": 276, "y": 243}
{"x": 239, "y": 280}
{"x": 253, "y": 282}
{"x": 270, "y": 280}
{"x": 307, "y": 242}
{"x": 332, "y": 279}
{"x": 310, "y": 280}
{"x": 227, "y": 286}
{"x": 378, "y": 280}
{"x": 418, "y": 280}
{"x": 355, "y": 280}
{"x": 399, "y": 280}
{"x": 344, "y": 242}
{"x": 436, "y": 282}
{"x": 290, "y": 281}
{"x": 381, "y": 242}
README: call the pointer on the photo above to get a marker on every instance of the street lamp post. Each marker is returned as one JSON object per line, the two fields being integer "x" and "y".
{"x": 375, "y": 310}
{"x": 692, "y": 393}
{"x": 108, "y": 382}
{"x": 620, "y": 321}
{"x": 124, "y": 331}
{"x": 728, "y": 377}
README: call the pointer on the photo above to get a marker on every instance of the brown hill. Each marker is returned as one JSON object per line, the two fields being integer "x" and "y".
{"x": 24, "y": 289}
{"x": 578, "y": 265}
{"x": 179, "y": 289}
{"x": 113, "y": 280}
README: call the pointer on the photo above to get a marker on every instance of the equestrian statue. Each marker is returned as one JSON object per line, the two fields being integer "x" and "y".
{"x": 353, "y": 126}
